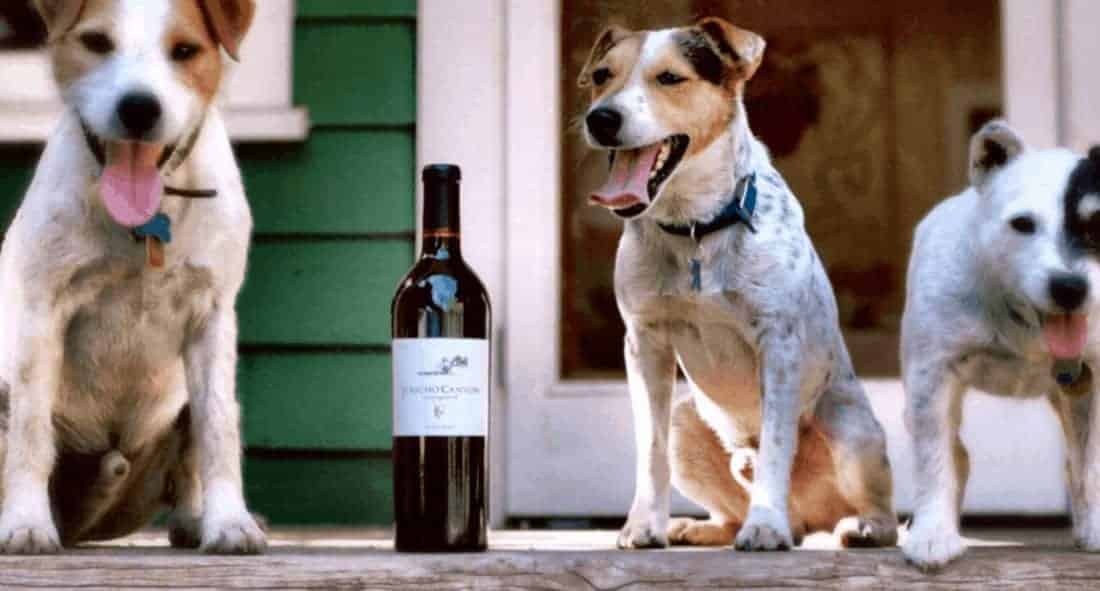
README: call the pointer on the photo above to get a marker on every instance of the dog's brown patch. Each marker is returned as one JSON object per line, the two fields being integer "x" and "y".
{"x": 616, "y": 51}
{"x": 696, "y": 107}
{"x": 202, "y": 73}
{"x": 71, "y": 59}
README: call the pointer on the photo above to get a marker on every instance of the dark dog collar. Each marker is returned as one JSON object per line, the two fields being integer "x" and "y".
{"x": 739, "y": 210}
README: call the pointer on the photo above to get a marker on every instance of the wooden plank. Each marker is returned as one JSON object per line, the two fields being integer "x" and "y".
{"x": 357, "y": 8}
{"x": 339, "y": 182}
{"x": 338, "y": 401}
{"x": 544, "y": 560}
{"x": 322, "y": 293}
{"x": 356, "y": 74}
{"x": 319, "y": 489}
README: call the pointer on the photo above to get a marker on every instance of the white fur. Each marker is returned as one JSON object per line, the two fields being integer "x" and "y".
{"x": 640, "y": 126}
{"x": 94, "y": 340}
{"x": 759, "y": 341}
{"x": 137, "y": 64}
{"x": 978, "y": 291}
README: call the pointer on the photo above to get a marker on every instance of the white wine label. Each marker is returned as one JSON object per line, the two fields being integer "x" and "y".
{"x": 440, "y": 387}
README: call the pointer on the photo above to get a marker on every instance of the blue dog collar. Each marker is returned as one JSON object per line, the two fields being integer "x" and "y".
{"x": 739, "y": 210}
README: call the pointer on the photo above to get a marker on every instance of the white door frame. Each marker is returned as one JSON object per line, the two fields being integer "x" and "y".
{"x": 489, "y": 99}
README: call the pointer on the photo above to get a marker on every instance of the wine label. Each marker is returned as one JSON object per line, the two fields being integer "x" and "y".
{"x": 440, "y": 387}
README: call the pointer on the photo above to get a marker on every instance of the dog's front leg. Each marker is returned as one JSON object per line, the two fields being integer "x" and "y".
{"x": 26, "y": 523}
{"x": 651, "y": 374}
{"x": 933, "y": 412}
{"x": 1085, "y": 484}
{"x": 768, "y": 526}
{"x": 211, "y": 360}
{"x": 1073, "y": 413}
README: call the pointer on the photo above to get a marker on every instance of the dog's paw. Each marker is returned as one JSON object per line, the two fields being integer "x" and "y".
{"x": 233, "y": 534}
{"x": 695, "y": 532}
{"x": 184, "y": 531}
{"x": 1086, "y": 534}
{"x": 764, "y": 529}
{"x": 639, "y": 534}
{"x": 29, "y": 538}
{"x": 870, "y": 532}
{"x": 930, "y": 548}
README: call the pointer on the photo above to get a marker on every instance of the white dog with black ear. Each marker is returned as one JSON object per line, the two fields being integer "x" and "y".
{"x": 118, "y": 281}
{"x": 1002, "y": 288}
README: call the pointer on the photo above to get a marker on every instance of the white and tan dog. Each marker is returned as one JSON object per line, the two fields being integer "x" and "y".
{"x": 118, "y": 347}
{"x": 715, "y": 273}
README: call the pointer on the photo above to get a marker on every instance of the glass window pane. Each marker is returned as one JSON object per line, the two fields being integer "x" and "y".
{"x": 866, "y": 106}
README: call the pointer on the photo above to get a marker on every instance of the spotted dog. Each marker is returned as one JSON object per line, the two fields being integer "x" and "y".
{"x": 715, "y": 273}
{"x": 118, "y": 283}
{"x": 1001, "y": 288}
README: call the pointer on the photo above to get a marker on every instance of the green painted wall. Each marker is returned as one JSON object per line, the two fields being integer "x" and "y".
{"x": 334, "y": 233}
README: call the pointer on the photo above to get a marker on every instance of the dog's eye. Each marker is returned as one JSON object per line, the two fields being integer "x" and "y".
{"x": 601, "y": 76}
{"x": 1023, "y": 224}
{"x": 98, "y": 43}
{"x": 669, "y": 79}
{"x": 182, "y": 52}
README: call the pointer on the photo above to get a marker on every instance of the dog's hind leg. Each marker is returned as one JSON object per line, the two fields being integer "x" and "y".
{"x": 702, "y": 472}
{"x": 858, "y": 447}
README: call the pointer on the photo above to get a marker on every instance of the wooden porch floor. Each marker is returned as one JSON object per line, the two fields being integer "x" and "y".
{"x": 551, "y": 560}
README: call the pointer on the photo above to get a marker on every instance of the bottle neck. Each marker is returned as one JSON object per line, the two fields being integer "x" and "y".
{"x": 441, "y": 224}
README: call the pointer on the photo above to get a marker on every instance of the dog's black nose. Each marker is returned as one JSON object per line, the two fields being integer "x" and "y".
{"x": 604, "y": 125}
{"x": 1069, "y": 290}
{"x": 139, "y": 113}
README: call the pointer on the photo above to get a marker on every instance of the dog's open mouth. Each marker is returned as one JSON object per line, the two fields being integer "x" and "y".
{"x": 131, "y": 186}
{"x": 636, "y": 175}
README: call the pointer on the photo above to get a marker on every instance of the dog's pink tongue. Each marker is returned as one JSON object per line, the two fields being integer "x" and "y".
{"x": 627, "y": 183}
{"x": 1066, "y": 335}
{"x": 131, "y": 187}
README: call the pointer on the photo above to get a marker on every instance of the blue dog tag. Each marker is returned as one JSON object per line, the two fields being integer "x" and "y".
{"x": 160, "y": 227}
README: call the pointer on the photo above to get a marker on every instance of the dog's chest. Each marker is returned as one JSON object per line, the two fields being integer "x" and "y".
{"x": 123, "y": 372}
{"x": 128, "y": 314}
{"x": 1006, "y": 374}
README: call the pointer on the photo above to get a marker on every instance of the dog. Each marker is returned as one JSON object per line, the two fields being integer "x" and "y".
{"x": 715, "y": 273}
{"x": 118, "y": 281}
{"x": 1000, "y": 291}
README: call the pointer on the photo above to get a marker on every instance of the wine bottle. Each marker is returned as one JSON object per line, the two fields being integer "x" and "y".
{"x": 441, "y": 328}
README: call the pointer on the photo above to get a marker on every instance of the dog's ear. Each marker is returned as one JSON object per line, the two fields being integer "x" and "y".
{"x": 992, "y": 148}
{"x": 1094, "y": 155}
{"x": 740, "y": 50}
{"x": 229, "y": 21}
{"x": 59, "y": 15}
{"x": 607, "y": 39}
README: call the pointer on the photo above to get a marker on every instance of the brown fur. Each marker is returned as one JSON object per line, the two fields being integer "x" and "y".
{"x": 203, "y": 73}
{"x": 229, "y": 20}
{"x": 696, "y": 107}
{"x": 703, "y": 470}
{"x": 59, "y": 15}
